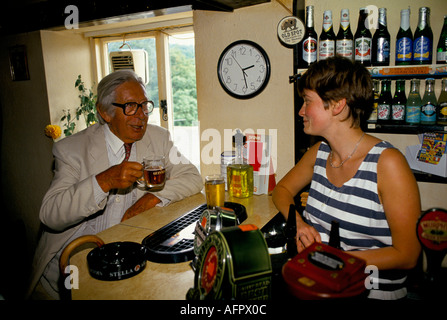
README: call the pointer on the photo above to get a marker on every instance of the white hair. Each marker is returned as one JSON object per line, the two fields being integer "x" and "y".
{"x": 107, "y": 87}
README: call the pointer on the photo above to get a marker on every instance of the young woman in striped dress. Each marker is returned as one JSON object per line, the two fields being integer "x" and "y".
{"x": 360, "y": 181}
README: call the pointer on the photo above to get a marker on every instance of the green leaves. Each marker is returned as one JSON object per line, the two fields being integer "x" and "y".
{"x": 87, "y": 108}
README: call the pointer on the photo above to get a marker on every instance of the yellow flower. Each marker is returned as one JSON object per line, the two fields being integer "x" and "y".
{"x": 53, "y": 131}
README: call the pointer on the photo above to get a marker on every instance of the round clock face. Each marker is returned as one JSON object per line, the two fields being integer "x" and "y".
{"x": 243, "y": 69}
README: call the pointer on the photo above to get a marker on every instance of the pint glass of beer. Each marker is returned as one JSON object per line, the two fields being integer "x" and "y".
{"x": 215, "y": 191}
{"x": 154, "y": 173}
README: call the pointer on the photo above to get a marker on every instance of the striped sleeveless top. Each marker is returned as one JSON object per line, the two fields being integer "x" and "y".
{"x": 357, "y": 208}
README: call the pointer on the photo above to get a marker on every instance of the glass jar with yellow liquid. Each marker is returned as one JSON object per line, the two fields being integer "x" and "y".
{"x": 240, "y": 180}
{"x": 239, "y": 174}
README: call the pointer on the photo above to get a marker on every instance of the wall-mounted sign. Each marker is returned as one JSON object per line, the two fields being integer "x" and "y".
{"x": 290, "y": 31}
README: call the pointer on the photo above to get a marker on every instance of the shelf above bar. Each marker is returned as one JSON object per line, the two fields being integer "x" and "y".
{"x": 409, "y": 72}
{"x": 404, "y": 128}
{"x": 437, "y": 71}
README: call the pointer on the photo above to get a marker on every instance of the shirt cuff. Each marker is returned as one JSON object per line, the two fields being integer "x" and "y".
{"x": 163, "y": 201}
{"x": 98, "y": 193}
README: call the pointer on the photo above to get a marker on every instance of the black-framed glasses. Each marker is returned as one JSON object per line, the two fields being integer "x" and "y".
{"x": 130, "y": 108}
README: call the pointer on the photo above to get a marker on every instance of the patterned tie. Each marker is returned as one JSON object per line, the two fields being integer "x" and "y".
{"x": 127, "y": 149}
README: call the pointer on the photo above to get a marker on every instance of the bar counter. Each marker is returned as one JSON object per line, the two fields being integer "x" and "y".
{"x": 158, "y": 281}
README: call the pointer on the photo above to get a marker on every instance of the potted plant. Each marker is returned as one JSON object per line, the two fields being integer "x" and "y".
{"x": 87, "y": 108}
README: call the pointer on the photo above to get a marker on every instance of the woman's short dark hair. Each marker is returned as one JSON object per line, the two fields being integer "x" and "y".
{"x": 336, "y": 78}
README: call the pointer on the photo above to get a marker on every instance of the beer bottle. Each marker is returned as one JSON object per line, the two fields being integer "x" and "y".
{"x": 423, "y": 39}
{"x": 442, "y": 104}
{"x": 326, "y": 42}
{"x": 404, "y": 40}
{"x": 381, "y": 42}
{"x": 345, "y": 40}
{"x": 376, "y": 92}
{"x": 385, "y": 101}
{"x": 441, "y": 50}
{"x": 362, "y": 40}
{"x": 414, "y": 102}
{"x": 309, "y": 46}
{"x": 429, "y": 103}
{"x": 399, "y": 103}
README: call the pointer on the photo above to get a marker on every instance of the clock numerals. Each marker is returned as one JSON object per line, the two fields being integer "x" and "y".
{"x": 229, "y": 62}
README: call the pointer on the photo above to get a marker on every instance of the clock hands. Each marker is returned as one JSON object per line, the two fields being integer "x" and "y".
{"x": 245, "y": 74}
{"x": 243, "y": 69}
{"x": 234, "y": 57}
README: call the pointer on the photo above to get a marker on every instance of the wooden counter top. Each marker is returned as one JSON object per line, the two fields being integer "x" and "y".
{"x": 157, "y": 281}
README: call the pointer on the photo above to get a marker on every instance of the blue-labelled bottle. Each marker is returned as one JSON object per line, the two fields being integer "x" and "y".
{"x": 404, "y": 40}
{"x": 429, "y": 103}
{"x": 381, "y": 42}
{"x": 414, "y": 102}
{"x": 423, "y": 39}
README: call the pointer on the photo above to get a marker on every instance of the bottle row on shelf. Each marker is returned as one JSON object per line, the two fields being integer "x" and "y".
{"x": 374, "y": 50}
{"x": 416, "y": 109}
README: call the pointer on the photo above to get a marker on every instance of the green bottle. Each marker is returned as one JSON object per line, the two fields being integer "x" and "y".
{"x": 429, "y": 103}
{"x": 442, "y": 101}
{"x": 362, "y": 40}
{"x": 414, "y": 102}
{"x": 385, "y": 101}
{"x": 441, "y": 51}
{"x": 399, "y": 103}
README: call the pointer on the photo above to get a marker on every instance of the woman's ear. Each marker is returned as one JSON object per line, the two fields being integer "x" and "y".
{"x": 338, "y": 106}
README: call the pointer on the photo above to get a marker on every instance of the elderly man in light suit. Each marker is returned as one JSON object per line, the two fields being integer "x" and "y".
{"x": 93, "y": 186}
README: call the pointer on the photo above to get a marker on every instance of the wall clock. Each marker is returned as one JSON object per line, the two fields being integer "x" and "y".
{"x": 243, "y": 69}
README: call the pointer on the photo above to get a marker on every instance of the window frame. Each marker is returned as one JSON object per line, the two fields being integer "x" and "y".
{"x": 163, "y": 62}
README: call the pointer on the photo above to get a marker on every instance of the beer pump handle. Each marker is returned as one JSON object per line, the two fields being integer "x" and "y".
{"x": 334, "y": 235}
{"x": 290, "y": 232}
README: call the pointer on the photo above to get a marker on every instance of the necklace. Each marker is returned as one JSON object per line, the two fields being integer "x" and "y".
{"x": 349, "y": 157}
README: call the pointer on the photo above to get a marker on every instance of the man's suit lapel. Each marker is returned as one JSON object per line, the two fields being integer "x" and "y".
{"x": 98, "y": 157}
{"x": 144, "y": 148}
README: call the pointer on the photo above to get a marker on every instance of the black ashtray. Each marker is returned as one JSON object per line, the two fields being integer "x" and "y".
{"x": 239, "y": 210}
{"x": 117, "y": 260}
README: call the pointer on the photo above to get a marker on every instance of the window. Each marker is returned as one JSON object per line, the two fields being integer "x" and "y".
{"x": 172, "y": 80}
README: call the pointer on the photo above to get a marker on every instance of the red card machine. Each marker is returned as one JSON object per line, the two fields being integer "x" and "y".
{"x": 321, "y": 271}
